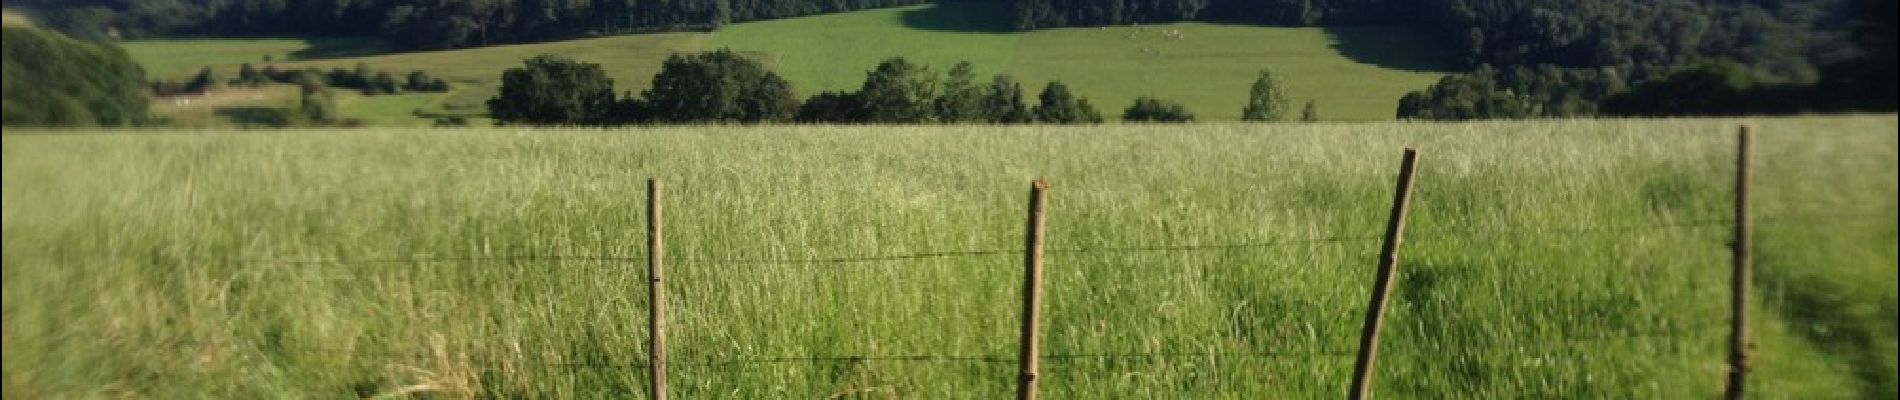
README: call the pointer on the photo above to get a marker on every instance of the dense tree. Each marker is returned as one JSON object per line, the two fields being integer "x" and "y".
{"x": 1058, "y": 106}
{"x": 1868, "y": 81}
{"x": 49, "y": 79}
{"x": 385, "y": 83}
{"x": 1471, "y": 96}
{"x": 1709, "y": 89}
{"x": 1037, "y": 14}
{"x": 832, "y": 107}
{"x": 419, "y": 81}
{"x": 1003, "y": 102}
{"x": 554, "y": 90}
{"x": 418, "y": 24}
{"x": 1266, "y": 100}
{"x": 250, "y": 76}
{"x": 206, "y": 81}
{"x": 1149, "y": 109}
{"x": 1411, "y": 105}
{"x": 718, "y": 86}
{"x": 898, "y": 91}
{"x": 316, "y": 103}
{"x": 771, "y": 99}
{"x": 962, "y": 99}
{"x": 1519, "y": 92}
{"x": 354, "y": 79}
{"x": 308, "y": 77}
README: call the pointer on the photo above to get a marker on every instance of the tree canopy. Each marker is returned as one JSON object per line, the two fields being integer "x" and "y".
{"x": 718, "y": 86}
{"x": 1057, "y": 106}
{"x": 419, "y": 24}
{"x": 898, "y": 91}
{"x": 1149, "y": 109}
{"x": 554, "y": 90}
{"x": 1266, "y": 100}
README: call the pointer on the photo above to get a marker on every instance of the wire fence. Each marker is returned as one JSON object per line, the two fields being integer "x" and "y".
{"x": 1674, "y": 328}
{"x": 1696, "y": 329}
{"x": 1702, "y": 330}
{"x": 1526, "y": 231}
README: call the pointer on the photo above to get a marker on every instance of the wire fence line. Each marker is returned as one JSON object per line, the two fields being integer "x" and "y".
{"x": 1557, "y": 342}
{"x": 1161, "y": 248}
{"x": 1061, "y": 358}
{"x": 1681, "y": 331}
{"x": 814, "y": 359}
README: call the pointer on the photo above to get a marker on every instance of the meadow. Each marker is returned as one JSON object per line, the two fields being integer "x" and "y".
{"x": 1353, "y": 73}
{"x": 1544, "y": 259}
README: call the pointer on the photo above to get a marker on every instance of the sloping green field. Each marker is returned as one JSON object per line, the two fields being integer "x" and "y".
{"x": 832, "y": 52}
{"x": 1209, "y": 68}
{"x": 1355, "y": 74}
{"x": 1547, "y": 259}
{"x": 631, "y": 60}
{"x": 180, "y": 59}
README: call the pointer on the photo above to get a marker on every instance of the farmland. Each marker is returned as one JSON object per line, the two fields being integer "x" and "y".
{"x": 1544, "y": 259}
{"x": 1353, "y": 73}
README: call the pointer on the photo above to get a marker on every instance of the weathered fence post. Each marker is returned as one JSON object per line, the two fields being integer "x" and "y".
{"x": 1032, "y": 292}
{"x": 656, "y": 295}
{"x": 1382, "y": 287}
{"x": 1738, "y": 322}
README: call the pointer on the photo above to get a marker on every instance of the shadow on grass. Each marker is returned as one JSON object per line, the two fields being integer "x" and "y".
{"x": 973, "y": 16}
{"x": 340, "y": 47}
{"x": 255, "y": 117}
{"x": 1857, "y": 324}
{"x": 1394, "y": 47}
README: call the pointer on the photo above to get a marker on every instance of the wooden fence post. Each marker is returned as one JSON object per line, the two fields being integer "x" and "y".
{"x": 1382, "y": 287}
{"x": 1738, "y": 322}
{"x": 1032, "y": 292}
{"x": 656, "y": 295}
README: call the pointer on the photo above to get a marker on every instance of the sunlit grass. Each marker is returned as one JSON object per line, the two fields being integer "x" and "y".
{"x": 144, "y": 265}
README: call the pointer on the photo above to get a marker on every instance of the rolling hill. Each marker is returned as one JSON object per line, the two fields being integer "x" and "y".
{"x": 1353, "y": 73}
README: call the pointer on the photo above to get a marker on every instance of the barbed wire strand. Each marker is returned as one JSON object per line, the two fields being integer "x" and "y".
{"x": 1424, "y": 234}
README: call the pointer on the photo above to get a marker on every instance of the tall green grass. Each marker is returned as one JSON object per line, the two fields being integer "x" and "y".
{"x": 156, "y": 264}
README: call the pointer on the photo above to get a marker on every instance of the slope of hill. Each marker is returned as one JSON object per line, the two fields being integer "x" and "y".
{"x": 49, "y": 79}
{"x": 1353, "y": 73}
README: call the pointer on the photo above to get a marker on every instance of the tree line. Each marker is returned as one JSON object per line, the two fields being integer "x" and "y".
{"x": 1782, "y": 38}
{"x": 1857, "y": 75}
{"x": 1556, "y": 58}
{"x": 726, "y": 87}
{"x": 417, "y": 24}
{"x": 362, "y": 79}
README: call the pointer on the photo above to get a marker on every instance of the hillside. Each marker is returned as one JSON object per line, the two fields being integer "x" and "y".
{"x": 1543, "y": 259}
{"x": 1355, "y": 74}
{"x": 49, "y": 79}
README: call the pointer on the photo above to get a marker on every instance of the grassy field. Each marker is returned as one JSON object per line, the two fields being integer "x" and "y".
{"x": 180, "y": 59}
{"x": 1209, "y": 68}
{"x": 1355, "y": 74}
{"x": 272, "y": 264}
{"x": 833, "y": 52}
{"x": 631, "y": 60}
